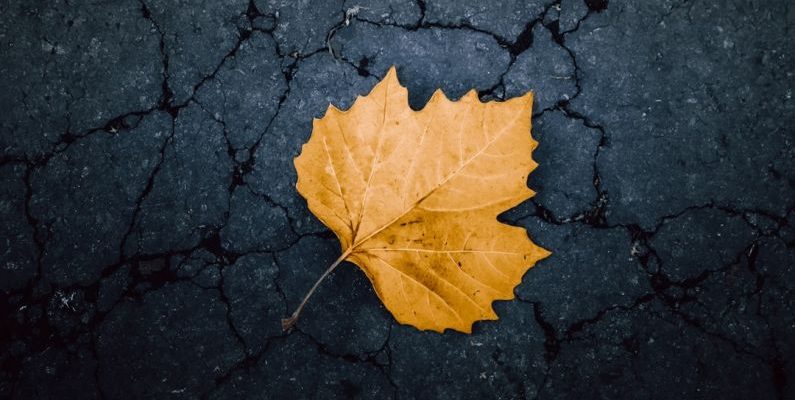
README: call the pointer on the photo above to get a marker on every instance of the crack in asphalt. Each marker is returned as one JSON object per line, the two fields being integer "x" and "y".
{"x": 660, "y": 283}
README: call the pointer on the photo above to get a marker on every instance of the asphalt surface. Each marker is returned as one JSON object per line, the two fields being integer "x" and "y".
{"x": 152, "y": 237}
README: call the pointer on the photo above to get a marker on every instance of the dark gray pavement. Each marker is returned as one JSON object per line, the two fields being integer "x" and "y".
{"x": 151, "y": 237}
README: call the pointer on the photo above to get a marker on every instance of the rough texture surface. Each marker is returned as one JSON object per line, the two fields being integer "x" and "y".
{"x": 152, "y": 236}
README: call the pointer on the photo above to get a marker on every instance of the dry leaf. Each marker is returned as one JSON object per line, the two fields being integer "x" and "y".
{"x": 413, "y": 197}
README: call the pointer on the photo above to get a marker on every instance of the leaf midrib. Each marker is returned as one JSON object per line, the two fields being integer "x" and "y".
{"x": 356, "y": 244}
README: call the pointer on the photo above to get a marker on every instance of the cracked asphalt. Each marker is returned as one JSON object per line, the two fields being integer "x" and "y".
{"x": 152, "y": 237}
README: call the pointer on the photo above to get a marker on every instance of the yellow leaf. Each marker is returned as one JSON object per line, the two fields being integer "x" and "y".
{"x": 413, "y": 197}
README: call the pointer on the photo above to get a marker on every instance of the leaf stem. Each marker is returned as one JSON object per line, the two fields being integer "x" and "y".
{"x": 288, "y": 323}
